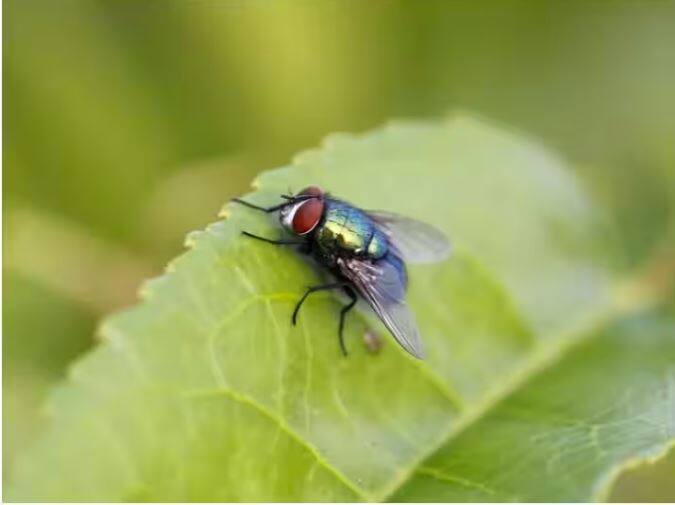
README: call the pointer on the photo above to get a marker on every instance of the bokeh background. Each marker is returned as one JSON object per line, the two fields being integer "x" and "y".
{"x": 128, "y": 123}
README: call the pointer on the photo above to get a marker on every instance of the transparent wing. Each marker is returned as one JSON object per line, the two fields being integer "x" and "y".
{"x": 382, "y": 285}
{"x": 417, "y": 242}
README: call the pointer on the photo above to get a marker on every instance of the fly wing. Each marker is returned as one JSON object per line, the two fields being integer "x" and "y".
{"x": 417, "y": 242}
{"x": 383, "y": 287}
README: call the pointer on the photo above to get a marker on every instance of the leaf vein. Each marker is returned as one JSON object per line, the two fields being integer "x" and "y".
{"x": 251, "y": 402}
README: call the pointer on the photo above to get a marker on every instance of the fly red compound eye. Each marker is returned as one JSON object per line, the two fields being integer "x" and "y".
{"x": 307, "y": 216}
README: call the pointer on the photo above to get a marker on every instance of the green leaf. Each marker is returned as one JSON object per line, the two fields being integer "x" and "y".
{"x": 561, "y": 435}
{"x": 533, "y": 388}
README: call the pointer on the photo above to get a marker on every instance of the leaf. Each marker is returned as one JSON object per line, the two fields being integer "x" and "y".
{"x": 610, "y": 398}
{"x": 533, "y": 386}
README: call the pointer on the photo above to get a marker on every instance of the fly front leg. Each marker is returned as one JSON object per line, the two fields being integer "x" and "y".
{"x": 343, "y": 313}
{"x": 268, "y": 210}
{"x": 273, "y": 241}
{"x": 289, "y": 200}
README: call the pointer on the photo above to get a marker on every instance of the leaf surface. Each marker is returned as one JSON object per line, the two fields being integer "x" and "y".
{"x": 205, "y": 391}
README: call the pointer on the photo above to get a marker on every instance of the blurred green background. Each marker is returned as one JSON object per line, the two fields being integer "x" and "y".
{"x": 128, "y": 123}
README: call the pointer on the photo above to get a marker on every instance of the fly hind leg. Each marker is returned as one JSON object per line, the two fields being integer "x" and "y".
{"x": 313, "y": 289}
{"x": 343, "y": 313}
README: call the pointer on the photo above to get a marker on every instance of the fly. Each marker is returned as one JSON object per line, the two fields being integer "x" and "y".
{"x": 365, "y": 251}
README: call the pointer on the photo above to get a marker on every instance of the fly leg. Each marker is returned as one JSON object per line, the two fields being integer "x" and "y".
{"x": 289, "y": 200}
{"x": 268, "y": 210}
{"x": 250, "y": 205}
{"x": 313, "y": 289}
{"x": 273, "y": 241}
{"x": 343, "y": 313}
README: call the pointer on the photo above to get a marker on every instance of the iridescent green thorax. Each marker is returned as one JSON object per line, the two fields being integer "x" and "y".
{"x": 348, "y": 230}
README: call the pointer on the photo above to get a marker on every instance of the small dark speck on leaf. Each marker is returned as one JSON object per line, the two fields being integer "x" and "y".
{"x": 373, "y": 341}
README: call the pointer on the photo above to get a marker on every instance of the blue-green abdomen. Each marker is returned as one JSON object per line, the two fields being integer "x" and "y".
{"x": 348, "y": 230}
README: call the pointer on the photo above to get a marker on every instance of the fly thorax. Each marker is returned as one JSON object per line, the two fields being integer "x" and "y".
{"x": 378, "y": 245}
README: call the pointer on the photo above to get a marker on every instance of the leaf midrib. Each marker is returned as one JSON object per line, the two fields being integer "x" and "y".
{"x": 251, "y": 402}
